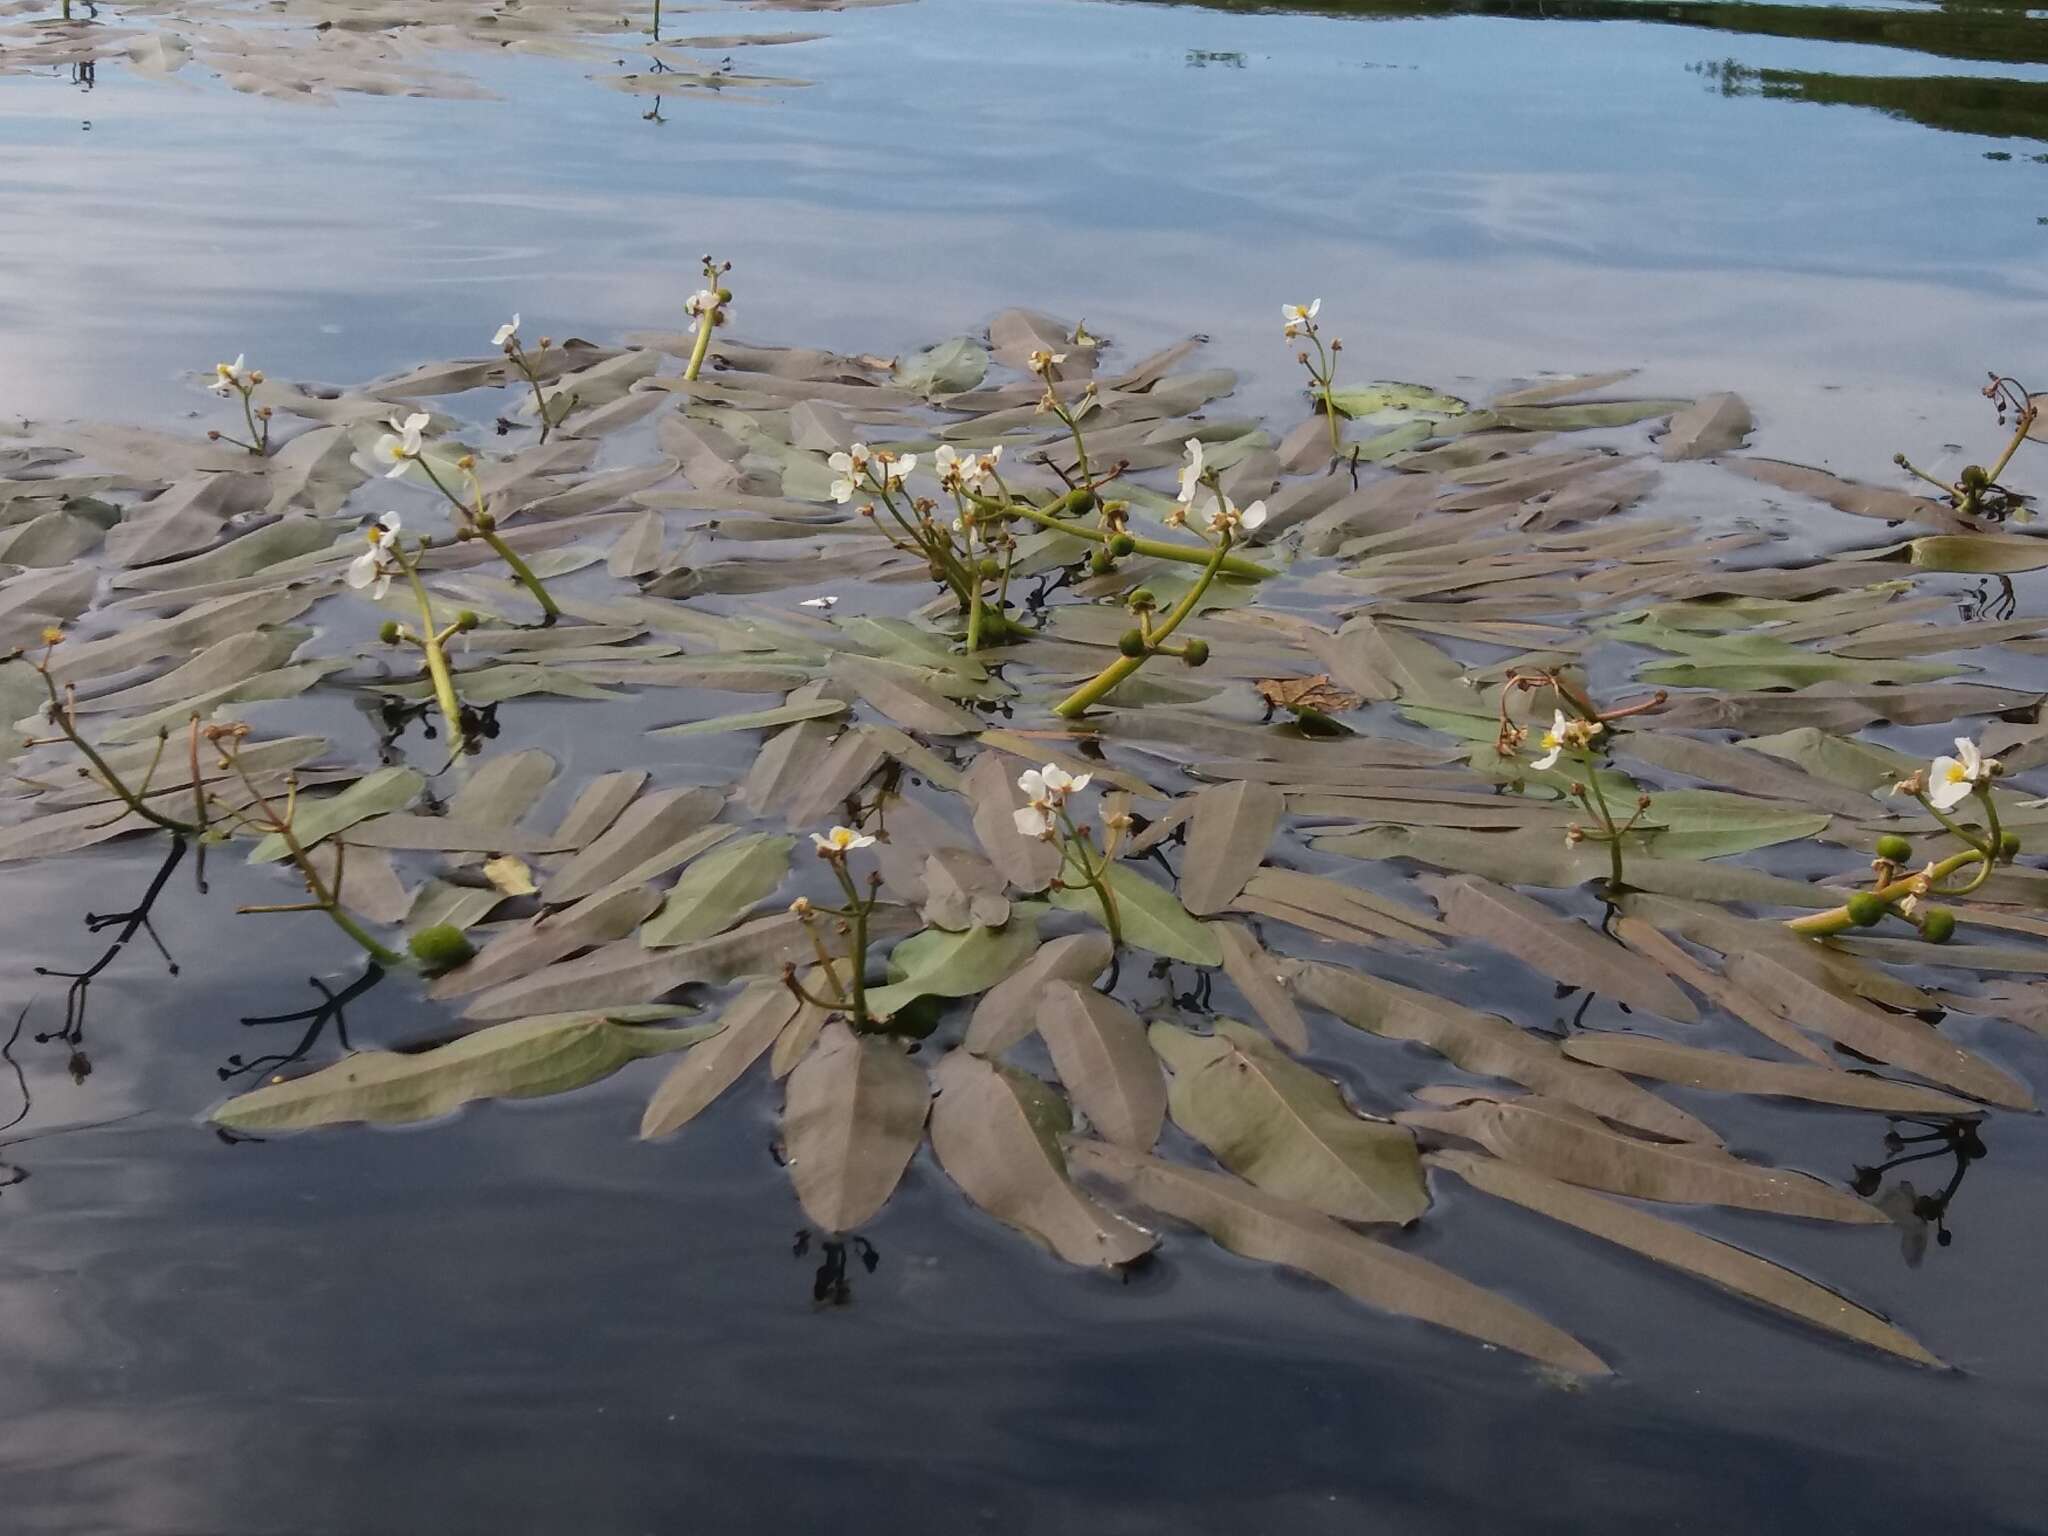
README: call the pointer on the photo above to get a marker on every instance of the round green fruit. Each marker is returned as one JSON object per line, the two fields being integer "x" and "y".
{"x": 1894, "y": 847}
{"x": 1938, "y": 926}
{"x": 1866, "y": 907}
{"x": 441, "y": 947}
{"x": 1197, "y": 652}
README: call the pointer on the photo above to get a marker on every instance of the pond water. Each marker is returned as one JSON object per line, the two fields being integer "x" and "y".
{"x": 520, "y": 1318}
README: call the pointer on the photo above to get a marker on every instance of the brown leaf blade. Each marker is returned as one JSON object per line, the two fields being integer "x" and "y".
{"x": 851, "y": 1120}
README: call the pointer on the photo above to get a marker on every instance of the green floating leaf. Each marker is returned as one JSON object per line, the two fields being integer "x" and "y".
{"x": 719, "y": 889}
{"x": 522, "y": 1059}
{"x": 1390, "y": 403}
{"x": 756, "y": 719}
{"x": 1287, "y": 1129}
{"x": 1152, "y": 917}
{"x": 936, "y": 963}
{"x": 950, "y": 368}
{"x": 1979, "y": 554}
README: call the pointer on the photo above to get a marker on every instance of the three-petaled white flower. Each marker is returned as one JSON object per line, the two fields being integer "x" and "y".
{"x": 506, "y": 332}
{"x": 965, "y": 471}
{"x": 1300, "y": 317}
{"x": 895, "y": 467}
{"x": 228, "y": 377}
{"x": 1047, "y": 788}
{"x": 1566, "y": 731}
{"x": 702, "y": 302}
{"x": 851, "y": 467}
{"x": 1043, "y": 360}
{"x": 839, "y": 841}
{"x": 400, "y": 446}
{"x": 1229, "y": 516}
{"x": 374, "y": 567}
{"x": 1952, "y": 779}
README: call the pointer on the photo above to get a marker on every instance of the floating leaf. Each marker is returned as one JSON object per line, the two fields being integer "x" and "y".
{"x": 1725, "y": 1072}
{"x": 1287, "y": 1129}
{"x": 1009, "y": 1010}
{"x": 937, "y": 963}
{"x": 1556, "y": 946}
{"x": 387, "y": 789}
{"x": 1667, "y": 1242}
{"x": 744, "y": 1032}
{"x": 997, "y": 1133}
{"x": 1566, "y": 1143}
{"x": 1152, "y": 916}
{"x": 1228, "y": 834}
{"x": 524, "y": 1059}
{"x": 1263, "y": 1226}
{"x": 720, "y": 888}
{"x": 950, "y": 368}
{"x": 1099, "y": 1047}
{"x": 853, "y": 1115}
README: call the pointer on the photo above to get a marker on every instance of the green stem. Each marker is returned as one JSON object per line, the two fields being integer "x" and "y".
{"x": 259, "y": 437}
{"x": 703, "y": 346}
{"x": 858, "y": 956}
{"x": 61, "y": 717}
{"x": 1837, "y": 920}
{"x": 437, "y": 658}
{"x": 1092, "y": 691}
{"x": 1097, "y": 880}
{"x": 540, "y": 400}
{"x": 523, "y": 571}
{"x": 1186, "y": 554}
{"x": 1606, "y": 820}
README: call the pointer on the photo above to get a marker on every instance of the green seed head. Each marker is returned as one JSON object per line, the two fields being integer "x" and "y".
{"x": 2009, "y": 846}
{"x": 467, "y": 620}
{"x": 388, "y": 632}
{"x": 1131, "y": 643}
{"x": 1894, "y": 847}
{"x": 1938, "y": 926}
{"x": 1100, "y": 563}
{"x": 1197, "y": 652}
{"x": 1122, "y": 544}
{"x": 440, "y": 947}
{"x": 1866, "y": 908}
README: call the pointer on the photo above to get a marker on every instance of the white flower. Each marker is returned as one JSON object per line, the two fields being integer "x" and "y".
{"x": 373, "y": 568}
{"x": 984, "y": 467}
{"x": 1566, "y": 731}
{"x": 817, "y": 602}
{"x": 1951, "y": 779}
{"x": 852, "y": 468}
{"x": 1300, "y": 317}
{"x": 1033, "y": 821}
{"x": 1051, "y": 784}
{"x": 1252, "y": 516}
{"x": 702, "y": 302}
{"x": 228, "y": 377}
{"x": 950, "y": 468}
{"x": 1043, "y": 361}
{"x": 839, "y": 840}
{"x": 402, "y": 445}
{"x": 1191, "y": 472}
{"x": 896, "y": 467}
{"x": 506, "y": 332}
{"x": 1229, "y": 517}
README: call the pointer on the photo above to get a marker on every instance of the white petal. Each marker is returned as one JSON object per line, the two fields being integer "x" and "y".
{"x": 390, "y": 522}
{"x": 1549, "y": 759}
{"x": 362, "y": 570}
{"x": 1032, "y": 782}
{"x": 1253, "y": 515}
{"x": 859, "y": 842}
{"x": 1031, "y": 821}
{"x": 842, "y": 490}
{"x": 822, "y": 841}
{"x": 1948, "y": 795}
{"x": 380, "y": 586}
{"x": 842, "y": 462}
{"x": 904, "y": 464}
{"x": 1315, "y": 308}
{"x": 1075, "y": 786}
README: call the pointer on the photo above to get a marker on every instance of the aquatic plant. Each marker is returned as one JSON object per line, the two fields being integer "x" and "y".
{"x": 550, "y": 413}
{"x": 240, "y": 380}
{"x": 1250, "y": 882}
{"x": 1976, "y": 492}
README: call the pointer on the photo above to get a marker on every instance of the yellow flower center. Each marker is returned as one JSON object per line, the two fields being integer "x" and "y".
{"x": 1956, "y": 773}
{"x": 1551, "y": 739}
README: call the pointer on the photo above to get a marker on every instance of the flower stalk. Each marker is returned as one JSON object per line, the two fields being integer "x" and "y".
{"x": 707, "y": 307}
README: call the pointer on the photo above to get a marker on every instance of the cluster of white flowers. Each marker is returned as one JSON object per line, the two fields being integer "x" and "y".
{"x": 230, "y": 377}
{"x": 858, "y": 463}
{"x": 401, "y": 445}
{"x": 1047, "y": 789}
{"x": 965, "y": 471}
{"x": 1300, "y": 318}
{"x": 375, "y": 566}
{"x": 839, "y": 842}
{"x": 1566, "y": 731}
{"x": 1952, "y": 779}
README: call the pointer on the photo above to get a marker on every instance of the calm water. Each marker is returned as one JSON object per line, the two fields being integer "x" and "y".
{"x": 524, "y": 1320}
